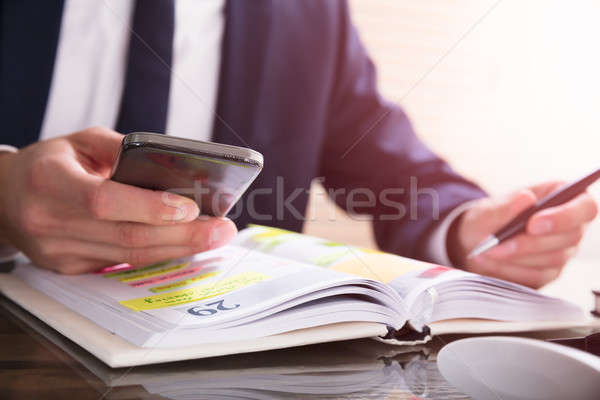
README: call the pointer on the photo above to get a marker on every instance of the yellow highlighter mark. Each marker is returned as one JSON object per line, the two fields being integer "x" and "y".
{"x": 195, "y": 293}
{"x": 270, "y": 238}
{"x": 182, "y": 283}
{"x": 380, "y": 267}
{"x": 370, "y": 251}
{"x": 269, "y": 232}
{"x": 154, "y": 272}
{"x": 325, "y": 260}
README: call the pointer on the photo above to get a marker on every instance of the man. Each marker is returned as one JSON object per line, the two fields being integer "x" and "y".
{"x": 287, "y": 78}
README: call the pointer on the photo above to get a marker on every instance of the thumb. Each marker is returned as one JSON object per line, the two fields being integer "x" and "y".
{"x": 503, "y": 210}
{"x": 98, "y": 144}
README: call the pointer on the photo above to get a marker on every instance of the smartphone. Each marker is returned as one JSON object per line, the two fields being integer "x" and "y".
{"x": 214, "y": 175}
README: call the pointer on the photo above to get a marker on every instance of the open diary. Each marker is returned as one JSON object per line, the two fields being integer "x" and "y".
{"x": 273, "y": 288}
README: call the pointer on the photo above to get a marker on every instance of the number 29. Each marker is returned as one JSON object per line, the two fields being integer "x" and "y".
{"x": 212, "y": 308}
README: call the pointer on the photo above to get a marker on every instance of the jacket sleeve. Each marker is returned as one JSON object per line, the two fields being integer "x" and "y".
{"x": 373, "y": 163}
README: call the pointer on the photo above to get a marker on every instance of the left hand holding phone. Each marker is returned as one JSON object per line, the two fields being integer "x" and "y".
{"x": 58, "y": 206}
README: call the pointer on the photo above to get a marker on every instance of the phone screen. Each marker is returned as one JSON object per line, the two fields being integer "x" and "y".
{"x": 216, "y": 184}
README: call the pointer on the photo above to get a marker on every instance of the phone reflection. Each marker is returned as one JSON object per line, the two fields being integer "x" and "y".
{"x": 359, "y": 369}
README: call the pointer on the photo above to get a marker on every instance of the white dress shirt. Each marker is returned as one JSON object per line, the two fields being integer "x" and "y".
{"x": 89, "y": 74}
{"x": 91, "y": 60}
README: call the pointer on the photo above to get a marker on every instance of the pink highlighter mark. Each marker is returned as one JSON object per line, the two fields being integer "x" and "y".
{"x": 166, "y": 278}
{"x": 113, "y": 268}
{"x": 434, "y": 272}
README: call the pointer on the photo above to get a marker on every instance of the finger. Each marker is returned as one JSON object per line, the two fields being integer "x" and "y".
{"x": 525, "y": 244}
{"x": 542, "y": 190}
{"x": 551, "y": 259}
{"x": 563, "y": 218}
{"x": 202, "y": 234}
{"x": 528, "y": 276}
{"x": 113, "y": 201}
{"x": 77, "y": 266}
{"x": 144, "y": 256}
{"x": 78, "y": 193}
{"x": 495, "y": 213}
{"x": 53, "y": 250}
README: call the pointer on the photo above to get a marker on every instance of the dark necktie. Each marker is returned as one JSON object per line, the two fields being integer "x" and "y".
{"x": 145, "y": 97}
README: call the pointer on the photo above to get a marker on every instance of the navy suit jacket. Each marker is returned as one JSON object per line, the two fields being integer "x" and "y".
{"x": 295, "y": 84}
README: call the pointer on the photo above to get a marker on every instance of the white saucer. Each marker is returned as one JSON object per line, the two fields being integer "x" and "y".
{"x": 512, "y": 368}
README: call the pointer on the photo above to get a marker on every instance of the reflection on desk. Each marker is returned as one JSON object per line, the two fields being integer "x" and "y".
{"x": 344, "y": 370}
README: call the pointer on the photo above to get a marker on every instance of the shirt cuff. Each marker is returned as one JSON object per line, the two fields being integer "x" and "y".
{"x": 436, "y": 248}
{"x": 8, "y": 253}
{"x": 7, "y": 148}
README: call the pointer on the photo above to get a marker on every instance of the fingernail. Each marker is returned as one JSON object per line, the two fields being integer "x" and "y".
{"x": 504, "y": 250}
{"x": 184, "y": 212}
{"x": 180, "y": 210}
{"x": 541, "y": 227}
{"x": 172, "y": 199}
{"x": 221, "y": 234}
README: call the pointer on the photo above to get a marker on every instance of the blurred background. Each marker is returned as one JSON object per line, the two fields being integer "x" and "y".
{"x": 507, "y": 91}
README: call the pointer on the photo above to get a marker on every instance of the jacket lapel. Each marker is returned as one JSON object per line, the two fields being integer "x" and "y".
{"x": 242, "y": 76}
{"x": 30, "y": 31}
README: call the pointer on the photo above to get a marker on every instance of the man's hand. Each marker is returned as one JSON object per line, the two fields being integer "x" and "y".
{"x": 58, "y": 206}
{"x": 533, "y": 258}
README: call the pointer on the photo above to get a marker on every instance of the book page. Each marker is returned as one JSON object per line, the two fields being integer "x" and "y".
{"x": 412, "y": 280}
{"x": 358, "y": 261}
{"x": 405, "y": 275}
{"x": 430, "y": 292}
{"x": 167, "y": 288}
{"x": 230, "y": 289}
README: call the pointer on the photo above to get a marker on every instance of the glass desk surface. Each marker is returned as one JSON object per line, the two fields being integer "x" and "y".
{"x": 36, "y": 362}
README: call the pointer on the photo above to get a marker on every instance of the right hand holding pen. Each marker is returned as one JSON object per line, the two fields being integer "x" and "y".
{"x": 534, "y": 257}
{"x": 58, "y": 206}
